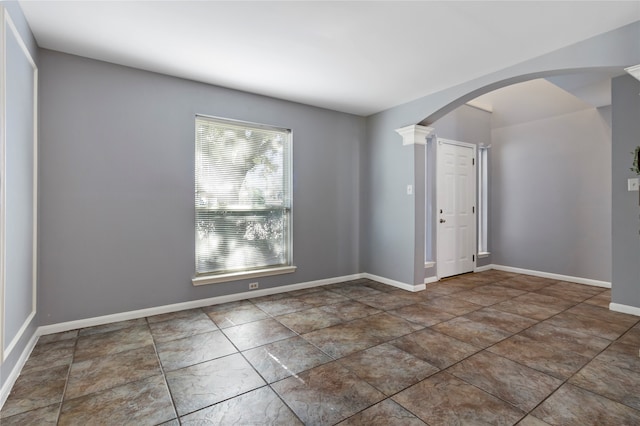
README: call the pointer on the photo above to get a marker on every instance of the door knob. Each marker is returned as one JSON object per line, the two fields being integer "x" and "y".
{"x": 442, "y": 220}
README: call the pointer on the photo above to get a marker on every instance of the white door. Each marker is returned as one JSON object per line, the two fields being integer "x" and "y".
{"x": 455, "y": 215}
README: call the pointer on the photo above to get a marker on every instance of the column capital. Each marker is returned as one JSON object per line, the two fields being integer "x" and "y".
{"x": 415, "y": 134}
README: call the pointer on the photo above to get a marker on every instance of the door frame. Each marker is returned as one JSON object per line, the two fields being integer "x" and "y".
{"x": 439, "y": 141}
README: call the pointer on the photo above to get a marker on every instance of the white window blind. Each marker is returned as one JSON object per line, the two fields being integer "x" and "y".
{"x": 243, "y": 196}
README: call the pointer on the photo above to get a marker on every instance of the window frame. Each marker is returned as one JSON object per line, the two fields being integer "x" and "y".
{"x": 483, "y": 201}
{"x": 212, "y": 277}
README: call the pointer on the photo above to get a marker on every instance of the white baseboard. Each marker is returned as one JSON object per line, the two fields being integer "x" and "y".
{"x": 430, "y": 280}
{"x": 484, "y": 268}
{"x": 404, "y": 286}
{"x": 625, "y": 309}
{"x": 550, "y": 275}
{"x": 141, "y": 313}
{"x": 15, "y": 372}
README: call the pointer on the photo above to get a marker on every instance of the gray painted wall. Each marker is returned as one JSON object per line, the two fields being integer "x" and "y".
{"x": 390, "y": 237}
{"x": 625, "y": 210}
{"x": 19, "y": 191}
{"x": 550, "y": 195}
{"x": 464, "y": 124}
{"x": 117, "y": 172}
{"x": 605, "y": 113}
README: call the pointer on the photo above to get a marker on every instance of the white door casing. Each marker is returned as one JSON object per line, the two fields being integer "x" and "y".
{"x": 455, "y": 207}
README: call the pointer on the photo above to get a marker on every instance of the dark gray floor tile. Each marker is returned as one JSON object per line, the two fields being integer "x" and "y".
{"x": 257, "y": 407}
{"x": 180, "y": 353}
{"x": 45, "y": 416}
{"x": 208, "y": 383}
{"x": 388, "y": 368}
{"x": 445, "y": 400}
{"x": 472, "y": 332}
{"x": 309, "y": 320}
{"x": 97, "y": 374}
{"x": 257, "y": 333}
{"x": 572, "y": 406}
{"x": 512, "y": 382}
{"x": 102, "y": 344}
{"x": 142, "y": 402}
{"x": 326, "y": 394}
{"x": 178, "y": 328}
{"x": 436, "y": 348}
{"x": 35, "y": 390}
{"x": 283, "y": 358}
{"x": 529, "y": 352}
{"x": 237, "y": 316}
{"x": 618, "y": 384}
{"x": 384, "y": 413}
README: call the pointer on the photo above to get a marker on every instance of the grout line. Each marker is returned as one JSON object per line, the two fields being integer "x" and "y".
{"x": 164, "y": 375}
{"x": 66, "y": 382}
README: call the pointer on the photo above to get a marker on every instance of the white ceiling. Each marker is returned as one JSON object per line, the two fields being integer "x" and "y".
{"x": 359, "y": 57}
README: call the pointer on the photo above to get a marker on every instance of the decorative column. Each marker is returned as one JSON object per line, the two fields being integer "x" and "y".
{"x": 416, "y": 136}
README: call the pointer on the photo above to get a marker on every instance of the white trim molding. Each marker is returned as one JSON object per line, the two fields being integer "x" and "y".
{"x": 7, "y": 25}
{"x": 415, "y": 134}
{"x": 200, "y": 303}
{"x": 242, "y": 275}
{"x": 634, "y": 71}
{"x": 625, "y": 309}
{"x": 483, "y": 268}
{"x": 3, "y": 189}
{"x": 141, "y": 313}
{"x": 429, "y": 280}
{"x": 387, "y": 281}
{"x": 579, "y": 280}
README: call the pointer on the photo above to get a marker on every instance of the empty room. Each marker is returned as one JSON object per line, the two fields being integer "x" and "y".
{"x": 319, "y": 212}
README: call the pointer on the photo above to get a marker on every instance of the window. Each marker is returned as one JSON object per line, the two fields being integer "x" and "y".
{"x": 483, "y": 200}
{"x": 242, "y": 200}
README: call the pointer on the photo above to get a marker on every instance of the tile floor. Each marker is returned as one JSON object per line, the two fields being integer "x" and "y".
{"x": 488, "y": 348}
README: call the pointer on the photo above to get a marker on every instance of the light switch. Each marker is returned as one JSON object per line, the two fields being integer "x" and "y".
{"x": 410, "y": 189}
{"x": 632, "y": 184}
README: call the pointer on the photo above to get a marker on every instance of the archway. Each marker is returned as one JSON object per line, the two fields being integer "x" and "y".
{"x": 550, "y": 213}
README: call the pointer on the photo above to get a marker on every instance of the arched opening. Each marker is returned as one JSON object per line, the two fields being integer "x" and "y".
{"x": 545, "y": 150}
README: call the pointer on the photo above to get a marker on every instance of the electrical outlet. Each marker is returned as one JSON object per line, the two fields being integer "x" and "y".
{"x": 409, "y": 189}
{"x": 253, "y": 286}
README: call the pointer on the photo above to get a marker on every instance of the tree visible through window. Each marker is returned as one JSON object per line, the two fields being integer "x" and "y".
{"x": 243, "y": 197}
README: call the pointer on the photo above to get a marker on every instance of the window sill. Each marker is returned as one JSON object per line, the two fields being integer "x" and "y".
{"x": 483, "y": 254}
{"x": 242, "y": 275}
